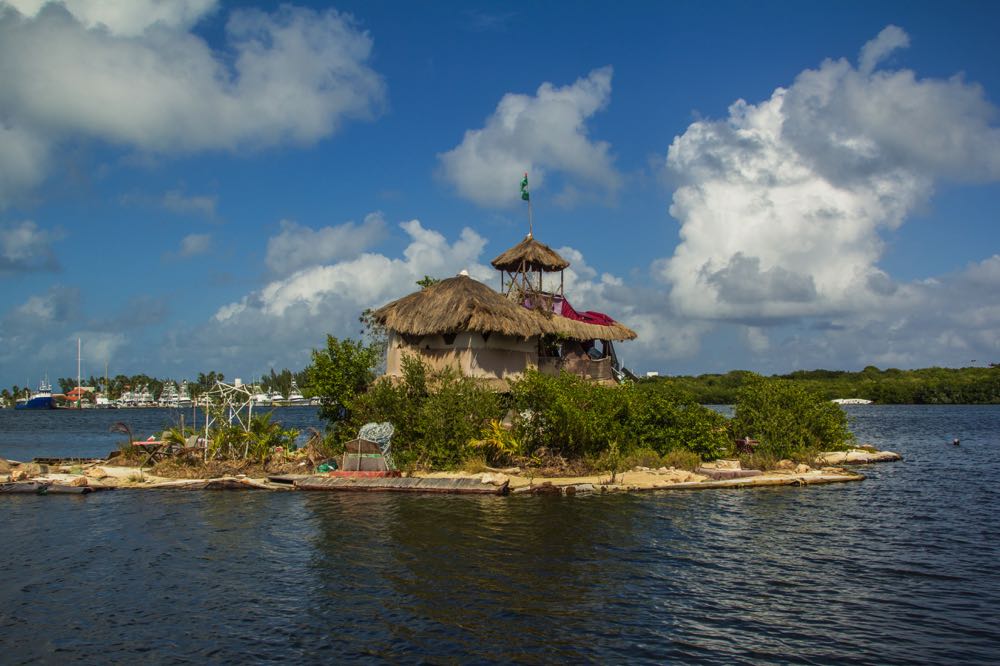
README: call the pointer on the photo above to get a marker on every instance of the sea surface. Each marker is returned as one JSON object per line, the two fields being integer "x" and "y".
{"x": 903, "y": 567}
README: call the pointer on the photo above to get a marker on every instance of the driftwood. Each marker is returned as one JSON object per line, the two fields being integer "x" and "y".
{"x": 43, "y": 488}
{"x": 224, "y": 483}
{"x": 718, "y": 474}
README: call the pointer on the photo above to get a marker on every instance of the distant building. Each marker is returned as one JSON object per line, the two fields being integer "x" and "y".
{"x": 652, "y": 373}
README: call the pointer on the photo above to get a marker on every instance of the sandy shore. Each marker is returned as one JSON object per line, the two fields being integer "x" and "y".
{"x": 720, "y": 474}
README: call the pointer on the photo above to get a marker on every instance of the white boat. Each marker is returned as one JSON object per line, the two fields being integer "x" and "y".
{"x": 260, "y": 397}
{"x": 145, "y": 398}
{"x": 184, "y": 396}
{"x": 295, "y": 396}
{"x": 102, "y": 402}
{"x": 168, "y": 397}
{"x": 851, "y": 401}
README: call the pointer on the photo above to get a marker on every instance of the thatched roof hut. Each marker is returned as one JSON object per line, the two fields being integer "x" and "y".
{"x": 464, "y": 304}
{"x": 530, "y": 255}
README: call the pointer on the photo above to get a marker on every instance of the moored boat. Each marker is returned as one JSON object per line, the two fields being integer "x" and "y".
{"x": 295, "y": 396}
{"x": 40, "y": 399}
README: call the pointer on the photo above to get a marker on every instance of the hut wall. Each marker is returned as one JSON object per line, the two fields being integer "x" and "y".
{"x": 496, "y": 357}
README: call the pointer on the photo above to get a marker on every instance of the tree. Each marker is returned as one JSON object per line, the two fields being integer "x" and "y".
{"x": 338, "y": 373}
{"x": 788, "y": 419}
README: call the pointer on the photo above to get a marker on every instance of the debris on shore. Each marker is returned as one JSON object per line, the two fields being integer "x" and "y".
{"x": 81, "y": 477}
{"x": 859, "y": 456}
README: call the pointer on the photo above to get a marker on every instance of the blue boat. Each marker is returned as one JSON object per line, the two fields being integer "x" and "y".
{"x": 40, "y": 399}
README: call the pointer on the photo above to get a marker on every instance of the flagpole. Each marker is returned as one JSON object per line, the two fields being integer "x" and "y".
{"x": 526, "y": 196}
{"x": 530, "y": 221}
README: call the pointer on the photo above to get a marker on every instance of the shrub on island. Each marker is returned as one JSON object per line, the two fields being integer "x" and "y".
{"x": 788, "y": 420}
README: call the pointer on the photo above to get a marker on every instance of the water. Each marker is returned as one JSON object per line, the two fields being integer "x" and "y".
{"x": 900, "y": 568}
{"x": 85, "y": 433}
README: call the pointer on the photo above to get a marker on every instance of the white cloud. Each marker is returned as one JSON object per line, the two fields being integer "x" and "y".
{"x": 25, "y": 247}
{"x": 781, "y": 203}
{"x": 947, "y": 321}
{"x": 125, "y": 17}
{"x": 195, "y": 244}
{"x": 297, "y": 246}
{"x": 178, "y": 202}
{"x": 279, "y": 324}
{"x": 756, "y": 339}
{"x": 132, "y": 75}
{"x": 365, "y": 280}
{"x": 23, "y": 161}
{"x": 887, "y": 41}
{"x": 545, "y": 135}
{"x": 99, "y": 347}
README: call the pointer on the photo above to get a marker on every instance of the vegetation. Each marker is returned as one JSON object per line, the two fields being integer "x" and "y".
{"x": 443, "y": 420}
{"x": 438, "y": 417}
{"x": 928, "y": 386}
{"x": 259, "y": 442}
{"x": 787, "y": 420}
{"x": 338, "y": 373}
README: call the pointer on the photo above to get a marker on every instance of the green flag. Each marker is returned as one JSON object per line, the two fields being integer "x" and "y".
{"x": 524, "y": 189}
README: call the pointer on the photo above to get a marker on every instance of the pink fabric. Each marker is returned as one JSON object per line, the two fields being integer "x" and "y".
{"x": 587, "y": 317}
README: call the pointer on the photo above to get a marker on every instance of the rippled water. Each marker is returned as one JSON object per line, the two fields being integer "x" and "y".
{"x": 902, "y": 567}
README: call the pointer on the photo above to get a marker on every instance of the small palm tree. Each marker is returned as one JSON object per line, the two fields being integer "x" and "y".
{"x": 123, "y": 428}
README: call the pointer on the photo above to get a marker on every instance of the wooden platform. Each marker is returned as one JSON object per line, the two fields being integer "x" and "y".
{"x": 465, "y": 486}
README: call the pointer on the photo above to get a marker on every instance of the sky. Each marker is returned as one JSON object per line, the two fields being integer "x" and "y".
{"x": 197, "y": 185}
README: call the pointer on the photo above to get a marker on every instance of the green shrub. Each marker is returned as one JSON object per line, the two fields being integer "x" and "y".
{"x": 436, "y": 415}
{"x": 258, "y": 442}
{"x": 788, "y": 420}
{"x": 569, "y": 416}
{"x": 665, "y": 420}
{"x": 498, "y": 445}
{"x": 682, "y": 459}
{"x": 338, "y": 373}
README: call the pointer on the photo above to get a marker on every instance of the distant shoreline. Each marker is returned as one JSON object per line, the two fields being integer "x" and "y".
{"x": 926, "y": 386}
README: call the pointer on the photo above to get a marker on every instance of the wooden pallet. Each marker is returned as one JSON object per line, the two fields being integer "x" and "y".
{"x": 465, "y": 486}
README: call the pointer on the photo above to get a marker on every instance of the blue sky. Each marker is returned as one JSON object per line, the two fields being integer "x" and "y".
{"x": 196, "y": 186}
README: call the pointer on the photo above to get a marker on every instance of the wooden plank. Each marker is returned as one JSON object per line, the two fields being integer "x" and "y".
{"x": 405, "y": 484}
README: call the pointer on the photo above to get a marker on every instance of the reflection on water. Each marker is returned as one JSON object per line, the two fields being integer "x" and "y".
{"x": 900, "y": 568}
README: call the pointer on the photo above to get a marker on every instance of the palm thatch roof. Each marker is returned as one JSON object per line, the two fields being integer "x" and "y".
{"x": 464, "y": 304}
{"x": 531, "y": 255}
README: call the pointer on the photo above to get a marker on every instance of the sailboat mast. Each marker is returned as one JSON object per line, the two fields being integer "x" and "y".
{"x": 78, "y": 390}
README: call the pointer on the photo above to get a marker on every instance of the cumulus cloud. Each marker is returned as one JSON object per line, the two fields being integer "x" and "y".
{"x": 25, "y": 247}
{"x": 367, "y": 279}
{"x": 545, "y": 135}
{"x": 280, "y": 323}
{"x": 127, "y": 18}
{"x": 781, "y": 203}
{"x": 298, "y": 246}
{"x": 945, "y": 321}
{"x": 24, "y": 158}
{"x": 132, "y": 74}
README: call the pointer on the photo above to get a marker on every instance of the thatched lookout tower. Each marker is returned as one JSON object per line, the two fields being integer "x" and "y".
{"x": 461, "y": 323}
{"x": 522, "y": 267}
